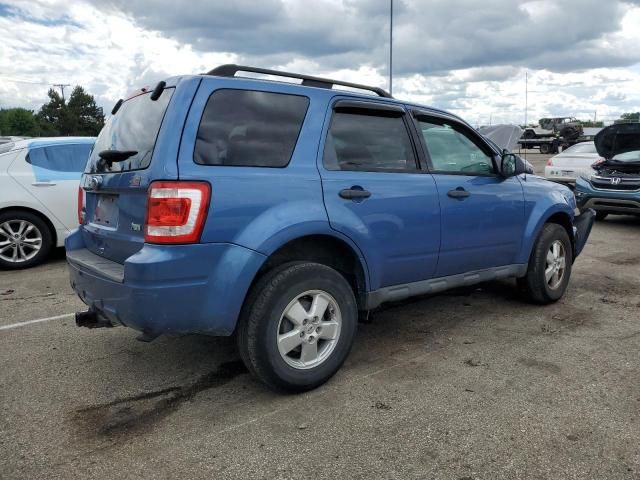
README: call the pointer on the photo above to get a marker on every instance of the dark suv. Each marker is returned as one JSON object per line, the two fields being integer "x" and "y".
{"x": 215, "y": 204}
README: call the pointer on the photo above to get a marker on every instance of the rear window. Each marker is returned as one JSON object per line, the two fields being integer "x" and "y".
{"x": 134, "y": 127}
{"x": 249, "y": 128}
{"x": 582, "y": 148}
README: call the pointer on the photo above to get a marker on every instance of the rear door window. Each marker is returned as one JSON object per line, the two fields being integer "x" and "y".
{"x": 249, "y": 128}
{"x": 368, "y": 142}
{"x": 60, "y": 158}
{"x": 134, "y": 127}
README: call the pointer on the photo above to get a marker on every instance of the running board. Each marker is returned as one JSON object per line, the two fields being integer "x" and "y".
{"x": 435, "y": 285}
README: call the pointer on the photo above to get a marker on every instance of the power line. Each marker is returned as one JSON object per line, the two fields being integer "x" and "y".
{"x": 61, "y": 86}
{"x": 15, "y": 80}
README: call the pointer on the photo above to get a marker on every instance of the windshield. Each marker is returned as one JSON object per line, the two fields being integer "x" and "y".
{"x": 134, "y": 127}
{"x": 587, "y": 147}
{"x": 628, "y": 157}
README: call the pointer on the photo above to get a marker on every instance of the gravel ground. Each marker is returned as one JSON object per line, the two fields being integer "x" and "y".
{"x": 472, "y": 384}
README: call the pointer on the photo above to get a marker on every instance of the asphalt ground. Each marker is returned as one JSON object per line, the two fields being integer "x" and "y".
{"x": 471, "y": 384}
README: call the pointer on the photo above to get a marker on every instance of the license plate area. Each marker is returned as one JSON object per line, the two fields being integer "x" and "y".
{"x": 106, "y": 211}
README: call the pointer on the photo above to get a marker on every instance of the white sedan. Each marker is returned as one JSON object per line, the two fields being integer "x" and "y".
{"x": 39, "y": 181}
{"x": 570, "y": 163}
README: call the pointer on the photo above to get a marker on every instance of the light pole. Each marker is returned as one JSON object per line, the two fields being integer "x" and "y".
{"x": 391, "y": 47}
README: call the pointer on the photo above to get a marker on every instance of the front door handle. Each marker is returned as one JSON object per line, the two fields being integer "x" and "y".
{"x": 43, "y": 184}
{"x": 354, "y": 193}
{"x": 458, "y": 193}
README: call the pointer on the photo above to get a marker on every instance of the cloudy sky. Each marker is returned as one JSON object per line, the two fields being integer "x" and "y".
{"x": 467, "y": 56}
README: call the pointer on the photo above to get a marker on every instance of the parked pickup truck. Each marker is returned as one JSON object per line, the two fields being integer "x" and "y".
{"x": 220, "y": 205}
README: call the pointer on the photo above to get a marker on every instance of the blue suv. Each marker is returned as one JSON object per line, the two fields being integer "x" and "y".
{"x": 277, "y": 212}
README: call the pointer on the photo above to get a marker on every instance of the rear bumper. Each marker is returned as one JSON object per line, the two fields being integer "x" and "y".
{"x": 166, "y": 289}
{"x": 623, "y": 202}
{"x": 555, "y": 175}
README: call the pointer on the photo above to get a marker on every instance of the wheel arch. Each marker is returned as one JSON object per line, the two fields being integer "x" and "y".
{"x": 559, "y": 215}
{"x": 39, "y": 214}
{"x": 324, "y": 248}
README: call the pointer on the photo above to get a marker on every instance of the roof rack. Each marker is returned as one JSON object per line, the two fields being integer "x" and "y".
{"x": 230, "y": 70}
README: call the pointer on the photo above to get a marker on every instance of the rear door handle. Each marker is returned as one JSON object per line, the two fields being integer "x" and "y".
{"x": 43, "y": 184}
{"x": 458, "y": 193}
{"x": 354, "y": 193}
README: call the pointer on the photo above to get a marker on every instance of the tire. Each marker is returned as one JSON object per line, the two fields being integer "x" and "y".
{"x": 545, "y": 148}
{"x": 32, "y": 245}
{"x": 529, "y": 134}
{"x": 263, "y": 322}
{"x": 601, "y": 216}
{"x": 535, "y": 284}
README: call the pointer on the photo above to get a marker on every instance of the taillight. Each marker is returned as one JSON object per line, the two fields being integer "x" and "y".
{"x": 550, "y": 162}
{"x": 176, "y": 211}
{"x": 80, "y": 205}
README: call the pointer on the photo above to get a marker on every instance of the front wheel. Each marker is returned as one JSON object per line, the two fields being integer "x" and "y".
{"x": 297, "y": 326}
{"x": 549, "y": 266}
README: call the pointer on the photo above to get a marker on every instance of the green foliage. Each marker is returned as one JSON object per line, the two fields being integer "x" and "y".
{"x": 591, "y": 124}
{"x": 19, "y": 122}
{"x": 629, "y": 117}
{"x": 78, "y": 116}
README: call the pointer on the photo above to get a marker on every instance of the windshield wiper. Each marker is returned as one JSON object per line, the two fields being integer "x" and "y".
{"x": 116, "y": 155}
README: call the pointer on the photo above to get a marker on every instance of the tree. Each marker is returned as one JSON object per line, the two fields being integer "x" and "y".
{"x": 629, "y": 117}
{"x": 592, "y": 124}
{"x": 87, "y": 118}
{"x": 80, "y": 116}
{"x": 19, "y": 122}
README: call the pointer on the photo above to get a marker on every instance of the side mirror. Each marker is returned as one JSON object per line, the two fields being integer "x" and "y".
{"x": 511, "y": 165}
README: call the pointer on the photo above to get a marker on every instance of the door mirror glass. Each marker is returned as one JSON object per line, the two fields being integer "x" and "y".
{"x": 509, "y": 165}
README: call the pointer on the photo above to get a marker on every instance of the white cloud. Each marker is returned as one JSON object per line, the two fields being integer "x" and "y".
{"x": 110, "y": 53}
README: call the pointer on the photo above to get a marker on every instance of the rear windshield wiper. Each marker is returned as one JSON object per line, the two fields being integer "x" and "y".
{"x": 116, "y": 155}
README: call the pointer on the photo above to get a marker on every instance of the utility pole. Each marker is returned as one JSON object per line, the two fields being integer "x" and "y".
{"x": 61, "y": 86}
{"x": 391, "y": 47}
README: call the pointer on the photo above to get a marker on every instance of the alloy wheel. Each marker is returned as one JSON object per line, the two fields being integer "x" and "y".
{"x": 309, "y": 329}
{"x": 20, "y": 241}
{"x": 555, "y": 264}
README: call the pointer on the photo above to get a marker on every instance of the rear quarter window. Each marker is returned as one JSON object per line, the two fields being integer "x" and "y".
{"x": 249, "y": 128}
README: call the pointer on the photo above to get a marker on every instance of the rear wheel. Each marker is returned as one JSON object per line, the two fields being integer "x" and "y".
{"x": 545, "y": 148}
{"x": 25, "y": 239}
{"x": 549, "y": 266}
{"x": 601, "y": 216}
{"x": 297, "y": 326}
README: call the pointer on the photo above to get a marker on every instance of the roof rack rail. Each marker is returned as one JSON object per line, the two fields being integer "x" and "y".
{"x": 230, "y": 70}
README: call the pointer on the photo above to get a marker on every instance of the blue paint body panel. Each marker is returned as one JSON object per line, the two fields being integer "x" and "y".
{"x": 408, "y": 231}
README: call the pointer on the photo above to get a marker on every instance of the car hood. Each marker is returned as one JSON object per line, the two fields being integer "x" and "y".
{"x": 616, "y": 139}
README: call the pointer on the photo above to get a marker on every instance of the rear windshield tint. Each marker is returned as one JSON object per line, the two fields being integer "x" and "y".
{"x": 249, "y": 128}
{"x": 134, "y": 127}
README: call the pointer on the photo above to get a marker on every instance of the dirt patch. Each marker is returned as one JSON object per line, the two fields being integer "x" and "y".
{"x": 621, "y": 259}
{"x": 139, "y": 412}
{"x": 548, "y": 367}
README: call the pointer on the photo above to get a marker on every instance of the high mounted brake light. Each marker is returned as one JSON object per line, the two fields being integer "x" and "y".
{"x": 176, "y": 211}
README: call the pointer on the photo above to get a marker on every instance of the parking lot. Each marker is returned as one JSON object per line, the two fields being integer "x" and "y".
{"x": 471, "y": 384}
